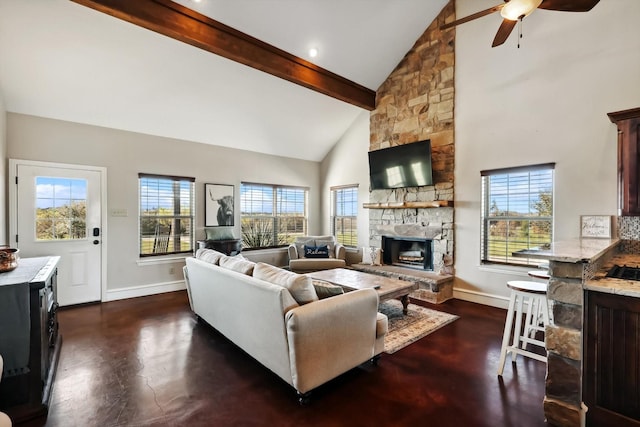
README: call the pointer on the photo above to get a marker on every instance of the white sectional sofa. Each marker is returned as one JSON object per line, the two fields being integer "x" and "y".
{"x": 277, "y": 318}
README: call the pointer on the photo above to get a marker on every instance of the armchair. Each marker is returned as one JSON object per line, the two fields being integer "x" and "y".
{"x": 299, "y": 263}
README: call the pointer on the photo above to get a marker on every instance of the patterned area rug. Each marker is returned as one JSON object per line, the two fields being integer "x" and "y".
{"x": 409, "y": 328}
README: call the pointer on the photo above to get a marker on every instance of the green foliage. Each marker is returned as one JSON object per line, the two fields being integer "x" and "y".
{"x": 544, "y": 204}
{"x": 257, "y": 232}
{"x": 62, "y": 223}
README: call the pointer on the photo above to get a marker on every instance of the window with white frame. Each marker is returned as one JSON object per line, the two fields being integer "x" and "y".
{"x": 517, "y": 212}
{"x": 272, "y": 215}
{"x": 166, "y": 217}
{"x": 344, "y": 214}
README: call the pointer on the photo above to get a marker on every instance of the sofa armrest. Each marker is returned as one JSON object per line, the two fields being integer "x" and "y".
{"x": 331, "y": 336}
{"x": 341, "y": 251}
{"x": 293, "y": 252}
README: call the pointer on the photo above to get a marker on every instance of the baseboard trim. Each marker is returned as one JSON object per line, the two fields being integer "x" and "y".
{"x": 144, "y": 290}
{"x": 481, "y": 298}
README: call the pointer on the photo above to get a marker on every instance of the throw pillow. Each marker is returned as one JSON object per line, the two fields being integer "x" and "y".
{"x": 326, "y": 289}
{"x": 236, "y": 264}
{"x": 300, "y": 244}
{"x": 209, "y": 255}
{"x": 376, "y": 258}
{"x": 316, "y": 251}
{"x": 220, "y": 233}
{"x": 300, "y": 286}
{"x": 366, "y": 256}
{"x": 330, "y": 243}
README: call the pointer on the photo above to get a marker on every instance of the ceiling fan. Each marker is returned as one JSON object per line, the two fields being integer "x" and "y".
{"x": 513, "y": 11}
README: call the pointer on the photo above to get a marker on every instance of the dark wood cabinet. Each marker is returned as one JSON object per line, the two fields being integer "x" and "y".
{"x": 29, "y": 338}
{"x": 612, "y": 360}
{"x": 628, "y": 123}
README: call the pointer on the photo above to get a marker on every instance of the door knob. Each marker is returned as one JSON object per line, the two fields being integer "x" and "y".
{"x": 95, "y": 242}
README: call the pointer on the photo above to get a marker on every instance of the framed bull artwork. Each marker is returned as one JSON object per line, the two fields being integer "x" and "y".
{"x": 218, "y": 205}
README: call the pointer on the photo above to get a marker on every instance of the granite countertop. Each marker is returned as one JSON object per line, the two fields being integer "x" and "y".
{"x": 611, "y": 285}
{"x": 577, "y": 250}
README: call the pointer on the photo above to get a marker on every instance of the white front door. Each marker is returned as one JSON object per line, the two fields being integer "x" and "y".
{"x": 59, "y": 212}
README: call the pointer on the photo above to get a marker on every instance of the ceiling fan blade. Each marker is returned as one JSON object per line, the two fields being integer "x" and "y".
{"x": 569, "y": 5}
{"x": 503, "y": 32}
{"x": 472, "y": 17}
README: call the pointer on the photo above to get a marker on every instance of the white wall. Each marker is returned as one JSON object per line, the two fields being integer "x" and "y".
{"x": 545, "y": 102}
{"x": 4, "y": 226}
{"x": 125, "y": 154}
{"x": 347, "y": 164}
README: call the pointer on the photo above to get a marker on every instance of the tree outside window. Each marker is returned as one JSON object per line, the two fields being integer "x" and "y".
{"x": 517, "y": 212}
{"x": 166, "y": 214}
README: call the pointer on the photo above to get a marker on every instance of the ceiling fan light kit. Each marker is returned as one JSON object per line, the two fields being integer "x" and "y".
{"x": 518, "y": 9}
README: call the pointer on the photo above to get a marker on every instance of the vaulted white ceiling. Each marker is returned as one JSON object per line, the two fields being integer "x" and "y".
{"x": 65, "y": 61}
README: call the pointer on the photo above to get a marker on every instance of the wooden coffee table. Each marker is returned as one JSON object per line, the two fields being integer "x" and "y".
{"x": 351, "y": 280}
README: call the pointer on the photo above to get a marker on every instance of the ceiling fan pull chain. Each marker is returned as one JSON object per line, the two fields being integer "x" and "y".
{"x": 519, "y": 31}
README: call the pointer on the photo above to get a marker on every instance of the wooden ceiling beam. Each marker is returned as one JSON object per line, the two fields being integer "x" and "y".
{"x": 186, "y": 25}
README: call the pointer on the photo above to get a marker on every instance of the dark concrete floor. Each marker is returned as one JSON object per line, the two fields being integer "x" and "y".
{"x": 148, "y": 362}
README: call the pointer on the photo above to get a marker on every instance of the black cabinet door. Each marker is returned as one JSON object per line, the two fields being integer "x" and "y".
{"x": 612, "y": 360}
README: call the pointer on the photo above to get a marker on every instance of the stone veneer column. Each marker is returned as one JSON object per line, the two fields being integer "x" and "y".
{"x": 563, "y": 390}
{"x": 415, "y": 103}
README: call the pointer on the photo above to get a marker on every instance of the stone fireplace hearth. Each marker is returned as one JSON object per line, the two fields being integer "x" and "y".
{"x": 415, "y": 214}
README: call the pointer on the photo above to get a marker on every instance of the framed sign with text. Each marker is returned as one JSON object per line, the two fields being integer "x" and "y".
{"x": 598, "y": 226}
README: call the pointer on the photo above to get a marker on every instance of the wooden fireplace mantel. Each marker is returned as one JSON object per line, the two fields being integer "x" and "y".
{"x": 409, "y": 205}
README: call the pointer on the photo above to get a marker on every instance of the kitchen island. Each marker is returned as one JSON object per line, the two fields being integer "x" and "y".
{"x": 593, "y": 341}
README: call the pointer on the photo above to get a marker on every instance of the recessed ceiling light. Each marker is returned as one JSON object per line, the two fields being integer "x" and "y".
{"x": 313, "y": 52}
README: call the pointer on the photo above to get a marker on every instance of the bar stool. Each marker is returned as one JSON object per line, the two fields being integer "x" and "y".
{"x": 542, "y": 276}
{"x": 539, "y": 274}
{"x": 534, "y": 295}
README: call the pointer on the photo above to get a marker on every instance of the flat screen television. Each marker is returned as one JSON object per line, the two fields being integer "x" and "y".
{"x": 402, "y": 166}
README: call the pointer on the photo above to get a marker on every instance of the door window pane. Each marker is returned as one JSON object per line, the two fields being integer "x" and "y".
{"x": 61, "y": 209}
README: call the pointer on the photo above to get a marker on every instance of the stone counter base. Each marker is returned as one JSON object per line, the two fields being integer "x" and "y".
{"x": 560, "y": 413}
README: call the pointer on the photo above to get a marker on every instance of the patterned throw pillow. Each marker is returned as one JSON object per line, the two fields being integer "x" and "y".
{"x": 316, "y": 251}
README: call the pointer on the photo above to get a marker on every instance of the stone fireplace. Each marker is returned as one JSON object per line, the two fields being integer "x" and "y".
{"x": 408, "y": 252}
{"x": 415, "y": 213}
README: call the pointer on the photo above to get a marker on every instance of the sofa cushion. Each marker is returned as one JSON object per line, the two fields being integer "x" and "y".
{"x": 300, "y": 286}
{"x": 237, "y": 264}
{"x": 316, "y": 251}
{"x": 326, "y": 289}
{"x": 209, "y": 255}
